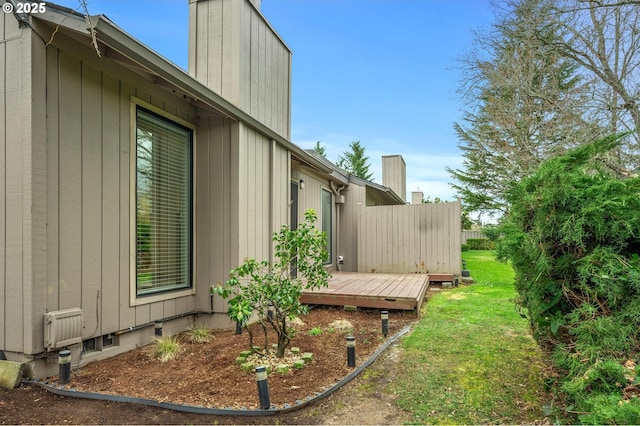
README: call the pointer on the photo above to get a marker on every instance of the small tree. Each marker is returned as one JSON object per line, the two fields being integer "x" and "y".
{"x": 270, "y": 290}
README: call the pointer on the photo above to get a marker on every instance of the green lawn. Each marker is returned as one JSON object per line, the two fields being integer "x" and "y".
{"x": 471, "y": 360}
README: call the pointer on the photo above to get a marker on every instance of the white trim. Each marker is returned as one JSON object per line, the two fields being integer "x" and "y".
{"x": 134, "y": 299}
{"x": 321, "y": 218}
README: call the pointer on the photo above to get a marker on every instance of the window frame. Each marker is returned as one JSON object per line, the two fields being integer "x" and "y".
{"x": 143, "y": 299}
{"x": 329, "y": 259}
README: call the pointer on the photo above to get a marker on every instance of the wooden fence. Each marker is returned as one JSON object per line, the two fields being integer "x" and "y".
{"x": 466, "y": 234}
{"x": 417, "y": 238}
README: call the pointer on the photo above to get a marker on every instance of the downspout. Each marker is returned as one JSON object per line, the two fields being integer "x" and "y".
{"x": 336, "y": 193}
{"x": 272, "y": 204}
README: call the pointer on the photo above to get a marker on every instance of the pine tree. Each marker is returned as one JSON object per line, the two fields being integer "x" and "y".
{"x": 355, "y": 161}
{"x": 320, "y": 149}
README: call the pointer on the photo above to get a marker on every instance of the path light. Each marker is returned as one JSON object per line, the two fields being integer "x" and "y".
{"x": 351, "y": 351}
{"x": 384, "y": 315}
{"x": 158, "y": 327}
{"x": 64, "y": 366}
{"x": 270, "y": 312}
{"x": 263, "y": 387}
{"x": 238, "y": 327}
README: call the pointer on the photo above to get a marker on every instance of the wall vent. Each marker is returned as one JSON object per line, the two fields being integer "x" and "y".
{"x": 62, "y": 328}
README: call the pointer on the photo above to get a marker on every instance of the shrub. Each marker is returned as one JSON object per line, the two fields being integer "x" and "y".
{"x": 270, "y": 289}
{"x": 573, "y": 234}
{"x": 480, "y": 244}
{"x": 464, "y": 247}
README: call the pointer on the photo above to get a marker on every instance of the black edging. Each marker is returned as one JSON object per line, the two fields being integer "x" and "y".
{"x": 59, "y": 390}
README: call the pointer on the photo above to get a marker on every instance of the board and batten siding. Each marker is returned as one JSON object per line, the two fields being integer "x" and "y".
{"x": 22, "y": 186}
{"x": 263, "y": 194}
{"x": 236, "y": 53}
{"x": 81, "y": 190}
{"x": 349, "y": 212}
{"x": 418, "y": 238}
{"x": 89, "y": 104}
{"x": 65, "y": 189}
{"x": 310, "y": 197}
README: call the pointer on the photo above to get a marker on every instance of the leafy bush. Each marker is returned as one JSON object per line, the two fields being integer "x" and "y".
{"x": 480, "y": 244}
{"x": 315, "y": 331}
{"x": 270, "y": 289}
{"x": 464, "y": 247}
{"x": 573, "y": 236}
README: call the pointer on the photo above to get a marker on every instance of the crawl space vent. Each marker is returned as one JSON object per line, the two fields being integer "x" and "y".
{"x": 62, "y": 328}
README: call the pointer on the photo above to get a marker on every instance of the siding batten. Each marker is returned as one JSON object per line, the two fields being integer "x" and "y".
{"x": 14, "y": 221}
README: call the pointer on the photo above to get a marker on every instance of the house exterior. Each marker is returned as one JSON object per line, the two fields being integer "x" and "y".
{"x": 129, "y": 187}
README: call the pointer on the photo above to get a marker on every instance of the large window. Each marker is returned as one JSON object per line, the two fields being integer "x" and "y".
{"x": 163, "y": 216}
{"x": 327, "y": 221}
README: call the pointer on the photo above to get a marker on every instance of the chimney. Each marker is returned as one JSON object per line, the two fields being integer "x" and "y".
{"x": 394, "y": 174}
{"x": 417, "y": 197}
{"x": 235, "y": 52}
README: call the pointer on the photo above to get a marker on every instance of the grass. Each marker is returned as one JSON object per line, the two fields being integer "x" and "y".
{"x": 471, "y": 359}
{"x": 199, "y": 333}
{"x": 166, "y": 348}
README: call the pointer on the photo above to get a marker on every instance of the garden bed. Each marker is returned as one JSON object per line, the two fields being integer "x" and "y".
{"x": 207, "y": 374}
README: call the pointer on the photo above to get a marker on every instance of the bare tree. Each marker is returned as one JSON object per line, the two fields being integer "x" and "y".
{"x": 603, "y": 38}
{"x": 526, "y": 104}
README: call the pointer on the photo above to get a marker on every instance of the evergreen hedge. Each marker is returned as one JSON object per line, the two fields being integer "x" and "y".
{"x": 573, "y": 237}
{"x": 480, "y": 244}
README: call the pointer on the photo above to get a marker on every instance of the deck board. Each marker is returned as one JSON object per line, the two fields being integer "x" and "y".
{"x": 382, "y": 291}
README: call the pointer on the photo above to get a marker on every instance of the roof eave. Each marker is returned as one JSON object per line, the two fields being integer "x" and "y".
{"x": 117, "y": 39}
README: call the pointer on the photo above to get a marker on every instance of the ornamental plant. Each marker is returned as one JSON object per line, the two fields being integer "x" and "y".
{"x": 271, "y": 291}
{"x": 573, "y": 236}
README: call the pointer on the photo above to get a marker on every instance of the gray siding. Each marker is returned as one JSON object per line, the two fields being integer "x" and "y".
{"x": 81, "y": 190}
{"x": 66, "y": 176}
{"x": 11, "y": 182}
{"x": 216, "y": 202}
{"x": 263, "y": 181}
{"x": 394, "y": 174}
{"x": 355, "y": 201}
{"x": 22, "y": 181}
{"x": 88, "y": 188}
{"x": 410, "y": 238}
{"x": 234, "y": 51}
{"x": 311, "y": 198}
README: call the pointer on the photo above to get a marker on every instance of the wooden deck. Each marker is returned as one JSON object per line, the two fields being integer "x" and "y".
{"x": 383, "y": 291}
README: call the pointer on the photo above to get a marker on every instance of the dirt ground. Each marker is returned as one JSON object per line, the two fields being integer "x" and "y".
{"x": 207, "y": 375}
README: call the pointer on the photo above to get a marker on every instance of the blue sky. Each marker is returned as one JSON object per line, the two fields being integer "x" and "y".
{"x": 380, "y": 71}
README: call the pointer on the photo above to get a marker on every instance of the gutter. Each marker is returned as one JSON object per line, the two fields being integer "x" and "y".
{"x": 114, "y": 37}
{"x": 117, "y": 39}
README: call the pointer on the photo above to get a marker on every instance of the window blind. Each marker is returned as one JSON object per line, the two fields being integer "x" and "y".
{"x": 163, "y": 204}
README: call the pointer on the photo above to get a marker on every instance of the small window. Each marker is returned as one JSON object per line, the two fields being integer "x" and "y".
{"x": 108, "y": 340}
{"x": 89, "y": 345}
{"x": 164, "y": 204}
{"x": 327, "y": 221}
